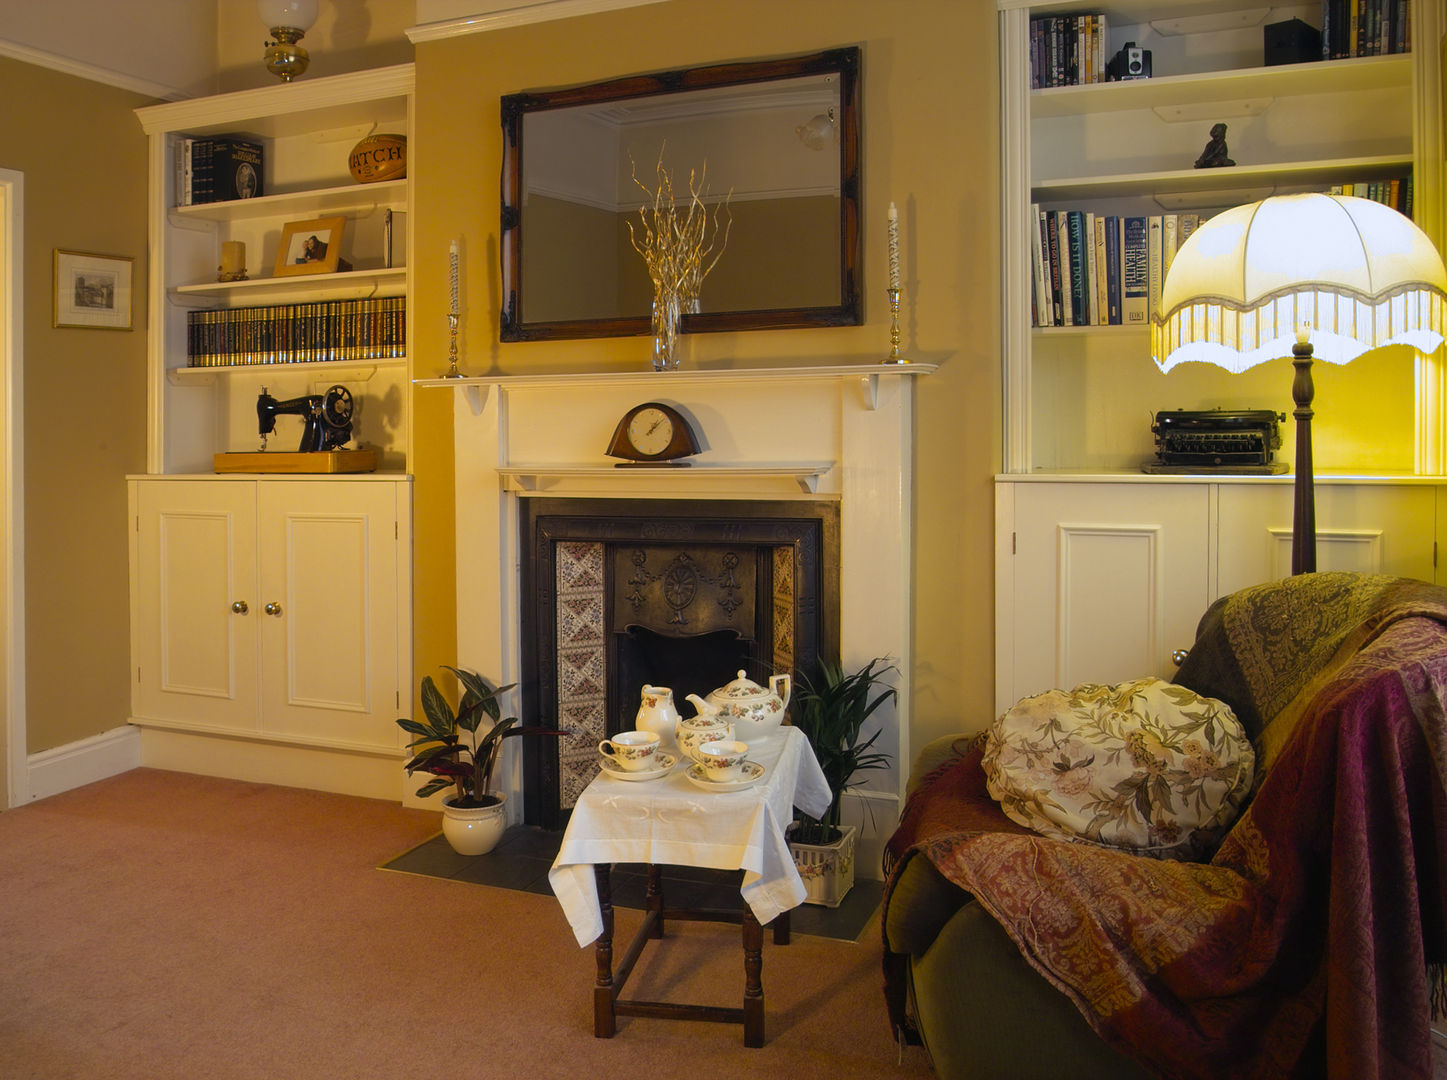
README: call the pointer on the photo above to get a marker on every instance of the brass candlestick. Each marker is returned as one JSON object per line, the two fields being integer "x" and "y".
{"x": 894, "y": 355}
{"x": 452, "y": 372}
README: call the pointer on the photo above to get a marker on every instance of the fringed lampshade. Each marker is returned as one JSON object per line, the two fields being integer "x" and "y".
{"x": 1330, "y": 276}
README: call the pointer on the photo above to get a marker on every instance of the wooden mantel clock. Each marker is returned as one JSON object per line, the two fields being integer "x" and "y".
{"x": 653, "y": 434}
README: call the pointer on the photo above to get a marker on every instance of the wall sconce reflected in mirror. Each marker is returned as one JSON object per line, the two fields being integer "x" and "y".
{"x": 288, "y": 21}
{"x": 820, "y": 131}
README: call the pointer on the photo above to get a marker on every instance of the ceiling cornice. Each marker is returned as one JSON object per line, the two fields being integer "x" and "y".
{"x": 521, "y": 15}
{"x": 66, "y": 66}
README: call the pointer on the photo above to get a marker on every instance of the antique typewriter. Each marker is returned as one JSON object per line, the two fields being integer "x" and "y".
{"x": 1217, "y": 440}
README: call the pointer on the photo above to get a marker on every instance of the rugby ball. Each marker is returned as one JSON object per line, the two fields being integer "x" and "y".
{"x": 379, "y": 157}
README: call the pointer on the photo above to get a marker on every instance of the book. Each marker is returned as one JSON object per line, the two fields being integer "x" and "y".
{"x": 1135, "y": 271}
{"x": 1052, "y": 243}
{"x": 1112, "y": 270}
{"x": 1155, "y": 274}
{"x": 1079, "y": 296}
{"x": 236, "y": 169}
{"x": 1067, "y": 290}
{"x": 1097, "y": 270}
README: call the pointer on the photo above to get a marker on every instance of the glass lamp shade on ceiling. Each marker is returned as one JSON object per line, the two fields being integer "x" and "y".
{"x": 1354, "y": 273}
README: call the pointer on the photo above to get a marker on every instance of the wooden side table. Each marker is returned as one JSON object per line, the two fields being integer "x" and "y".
{"x": 607, "y": 1006}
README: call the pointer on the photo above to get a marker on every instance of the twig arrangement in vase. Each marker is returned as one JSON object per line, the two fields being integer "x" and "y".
{"x": 676, "y": 246}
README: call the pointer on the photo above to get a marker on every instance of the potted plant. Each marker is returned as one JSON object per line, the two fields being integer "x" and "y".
{"x": 830, "y": 709}
{"x": 448, "y": 747}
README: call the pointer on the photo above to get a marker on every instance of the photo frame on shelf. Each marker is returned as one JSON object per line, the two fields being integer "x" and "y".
{"x": 310, "y": 247}
{"x": 92, "y": 291}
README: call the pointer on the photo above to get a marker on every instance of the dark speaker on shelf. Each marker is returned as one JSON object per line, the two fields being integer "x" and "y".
{"x": 1292, "y": 42}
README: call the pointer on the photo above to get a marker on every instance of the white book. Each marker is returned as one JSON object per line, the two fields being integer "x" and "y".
{"x": 1155, "y": 235}
{"x": 1097, "y": 267}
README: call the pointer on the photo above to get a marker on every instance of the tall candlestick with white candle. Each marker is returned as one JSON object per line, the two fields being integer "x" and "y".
{"x": 452, "y": 317}
{"x": 893, "y": 247}
{"x": 452, "y": 258}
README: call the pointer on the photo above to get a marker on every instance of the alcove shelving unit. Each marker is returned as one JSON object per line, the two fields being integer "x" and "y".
{"x": 271, "y": 611}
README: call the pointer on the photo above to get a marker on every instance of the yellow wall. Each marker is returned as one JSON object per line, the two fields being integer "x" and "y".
{"x": 84, "y": 159}
{"x": 930, "y": 145}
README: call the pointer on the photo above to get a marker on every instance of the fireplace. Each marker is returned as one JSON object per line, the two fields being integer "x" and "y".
{"x": 835, "y": 438}
{"x": 619, "y": 593}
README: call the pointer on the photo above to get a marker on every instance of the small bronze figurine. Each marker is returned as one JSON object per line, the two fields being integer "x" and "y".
{"x": 1214, "y": 156}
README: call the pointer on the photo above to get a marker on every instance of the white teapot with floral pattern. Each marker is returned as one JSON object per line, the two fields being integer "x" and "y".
{"x": 755, "y": 711}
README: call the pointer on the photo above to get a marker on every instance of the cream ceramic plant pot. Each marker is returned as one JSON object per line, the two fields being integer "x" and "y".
{"x": 474, "y": 831}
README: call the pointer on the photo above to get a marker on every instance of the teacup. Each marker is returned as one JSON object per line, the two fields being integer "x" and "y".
{"x": 693, "y": 735}
{"x": 722, "y": 760}
{"x": 633, "y": 751}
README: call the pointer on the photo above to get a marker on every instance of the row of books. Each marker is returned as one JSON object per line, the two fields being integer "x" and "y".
{"x": 1107, "y": 270}
{"x": 370, "y": 329}
{"x": 1067, "y": 50}
{"x": 1073, "y": 50}
{"x": 1396, "y": 192}
{"x": 1365, "y": 28}
{"x": 1101, "y": 269}
{"x": 217, "y": 170}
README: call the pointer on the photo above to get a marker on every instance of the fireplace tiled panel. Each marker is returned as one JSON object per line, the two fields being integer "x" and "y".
{"x": 784, "y": 609}
{"x": 582, "y": 663}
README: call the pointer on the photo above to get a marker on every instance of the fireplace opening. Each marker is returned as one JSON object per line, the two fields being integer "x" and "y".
{"x": 618, "y": 593}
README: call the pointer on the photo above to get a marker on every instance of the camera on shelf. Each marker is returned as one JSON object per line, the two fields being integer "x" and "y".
{"x": 1129, "y": 63}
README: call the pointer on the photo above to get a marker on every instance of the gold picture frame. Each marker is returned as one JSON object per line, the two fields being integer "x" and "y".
{"x": 310, "y": 247}
{"x": 92, "y": 291}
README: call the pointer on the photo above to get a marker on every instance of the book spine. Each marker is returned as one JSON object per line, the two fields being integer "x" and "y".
{"x": 1170, "y": 239}
{"x": 1079, "y": 309}
{"x": 1097, "y": 271}
{"x": 1039, "y": 294}
{"x": 1112, "y": 270}
{"x": 1052, "y": 240}
{"x": 1155, "y": 275}
{"x": 1135, "y": 271}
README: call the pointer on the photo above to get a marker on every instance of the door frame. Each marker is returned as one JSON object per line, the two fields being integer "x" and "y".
{"x": 15, "y": 784}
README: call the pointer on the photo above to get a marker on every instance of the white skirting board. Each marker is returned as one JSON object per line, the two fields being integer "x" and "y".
{"x": 79, "y": 763}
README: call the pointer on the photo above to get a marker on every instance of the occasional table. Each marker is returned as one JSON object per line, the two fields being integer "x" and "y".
{"x": 671, "y": 820}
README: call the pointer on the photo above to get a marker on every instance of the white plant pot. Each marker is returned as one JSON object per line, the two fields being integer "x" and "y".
{"x": 474, "y": 831}
{"x": 827, "y": 869}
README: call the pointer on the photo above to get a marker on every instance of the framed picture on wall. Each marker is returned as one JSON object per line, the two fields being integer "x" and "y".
{"x": 310, "y": 247}
{"x": 92, "y": 291}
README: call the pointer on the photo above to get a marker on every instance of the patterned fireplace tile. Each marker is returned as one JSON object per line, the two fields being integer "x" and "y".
{"x": 582, "y": 676}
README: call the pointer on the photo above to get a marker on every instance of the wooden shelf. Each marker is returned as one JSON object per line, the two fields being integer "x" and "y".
{"x": 661, "y": 481}
{"x": 355, "y": 199}
{"x": 354, "y": 370}
{"x": 354, "y": 284}
{"x": 1236, "y": 179}
{"x": 1283, "y": 80}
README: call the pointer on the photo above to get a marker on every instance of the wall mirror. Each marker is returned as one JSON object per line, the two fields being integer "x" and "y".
{"x": 778, "y": 140}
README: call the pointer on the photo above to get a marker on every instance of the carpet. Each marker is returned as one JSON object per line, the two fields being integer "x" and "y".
{"x": 163, "y": 926}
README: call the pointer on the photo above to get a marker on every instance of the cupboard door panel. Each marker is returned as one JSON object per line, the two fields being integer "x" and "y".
{"x": 196, "y": 559}
{"x": 329, "y": 568}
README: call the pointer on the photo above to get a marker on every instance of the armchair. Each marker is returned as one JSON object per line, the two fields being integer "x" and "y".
{"x": 1310, "y": 943}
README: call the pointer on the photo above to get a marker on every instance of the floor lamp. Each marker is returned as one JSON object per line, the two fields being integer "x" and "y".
{"x": 1325, "y": 277}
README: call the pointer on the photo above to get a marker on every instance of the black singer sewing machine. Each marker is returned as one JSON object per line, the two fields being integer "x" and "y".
{"x": 327, "y": 418}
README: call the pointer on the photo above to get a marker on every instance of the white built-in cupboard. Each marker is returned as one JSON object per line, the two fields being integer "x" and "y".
{"x": 1102, "y": 572}
{"x": 271, "y": 614}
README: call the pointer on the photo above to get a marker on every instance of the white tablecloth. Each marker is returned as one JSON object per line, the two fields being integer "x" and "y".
{"x": 670, "y": 820}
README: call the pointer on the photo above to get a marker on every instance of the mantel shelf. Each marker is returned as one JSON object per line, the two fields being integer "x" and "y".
{"x": 478, "y": 387}
{"x": 544, "y": 478}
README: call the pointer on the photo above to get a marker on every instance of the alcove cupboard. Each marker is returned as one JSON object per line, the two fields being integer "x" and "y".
{"x": 1101, "y": 571}
{"x": 271, "y": 632}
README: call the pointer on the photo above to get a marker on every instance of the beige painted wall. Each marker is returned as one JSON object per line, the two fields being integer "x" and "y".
{"x": 84, "y": 159}
{"x": 930, "y": 145}
{"x": 349, "y": 35}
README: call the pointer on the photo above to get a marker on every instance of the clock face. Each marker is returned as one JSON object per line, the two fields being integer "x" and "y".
{"x": 650, "y": 431}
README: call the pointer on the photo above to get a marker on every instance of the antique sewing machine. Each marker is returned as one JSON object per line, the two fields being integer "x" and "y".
{"x": 327, "y": 418}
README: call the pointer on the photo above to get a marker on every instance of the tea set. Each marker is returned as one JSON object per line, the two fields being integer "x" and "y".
{"x": 715, "y": 740}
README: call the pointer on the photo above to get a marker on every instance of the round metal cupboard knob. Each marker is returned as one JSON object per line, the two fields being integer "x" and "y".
{"x": 240, "y": 607}
{"x": 273, "y": 608}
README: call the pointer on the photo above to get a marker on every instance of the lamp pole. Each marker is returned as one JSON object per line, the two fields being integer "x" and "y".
{"x": 1303, "y": 523}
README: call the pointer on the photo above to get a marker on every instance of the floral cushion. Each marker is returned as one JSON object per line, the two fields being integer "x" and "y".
{"x": 1147, "y": 765}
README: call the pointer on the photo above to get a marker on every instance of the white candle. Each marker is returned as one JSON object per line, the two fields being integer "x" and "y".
{"x": 452, "y": 258}
{"x": 893, "y": 247}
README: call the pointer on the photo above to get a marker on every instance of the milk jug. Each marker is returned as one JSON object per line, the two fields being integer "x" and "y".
{"x": 658, "y": 714}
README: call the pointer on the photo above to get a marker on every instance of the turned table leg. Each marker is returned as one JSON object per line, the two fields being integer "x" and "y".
{"x": 604, "y": 1021}
{"x": 753, "y": 935}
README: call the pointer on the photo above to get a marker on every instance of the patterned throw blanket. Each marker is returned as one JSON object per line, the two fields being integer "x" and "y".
{"x": 1311, "y": 943}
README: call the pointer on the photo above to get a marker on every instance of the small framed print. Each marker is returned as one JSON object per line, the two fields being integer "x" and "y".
{"x": 92, "y": 291}
{"x": 310, "y": 247}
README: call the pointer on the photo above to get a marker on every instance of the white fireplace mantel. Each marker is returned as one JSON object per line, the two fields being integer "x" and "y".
{"x": 841, "y": 433}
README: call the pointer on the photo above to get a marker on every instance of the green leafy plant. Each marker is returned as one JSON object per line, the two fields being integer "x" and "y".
{"x": 447, "y": 745}
{"x": 830, "y": 710}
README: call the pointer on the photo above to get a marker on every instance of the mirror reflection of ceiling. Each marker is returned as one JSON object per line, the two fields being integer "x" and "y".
{"x": 744, "y": 142}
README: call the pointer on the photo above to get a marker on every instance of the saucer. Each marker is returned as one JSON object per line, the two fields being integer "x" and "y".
{"x": 617, "y": 772}
{"x": 753, "y": 773}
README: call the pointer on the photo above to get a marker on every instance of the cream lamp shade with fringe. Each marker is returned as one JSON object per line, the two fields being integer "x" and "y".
{"x": 1325, "y": 276}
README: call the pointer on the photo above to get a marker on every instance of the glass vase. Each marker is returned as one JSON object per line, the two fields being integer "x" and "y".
{"x": 667, "y": 319}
